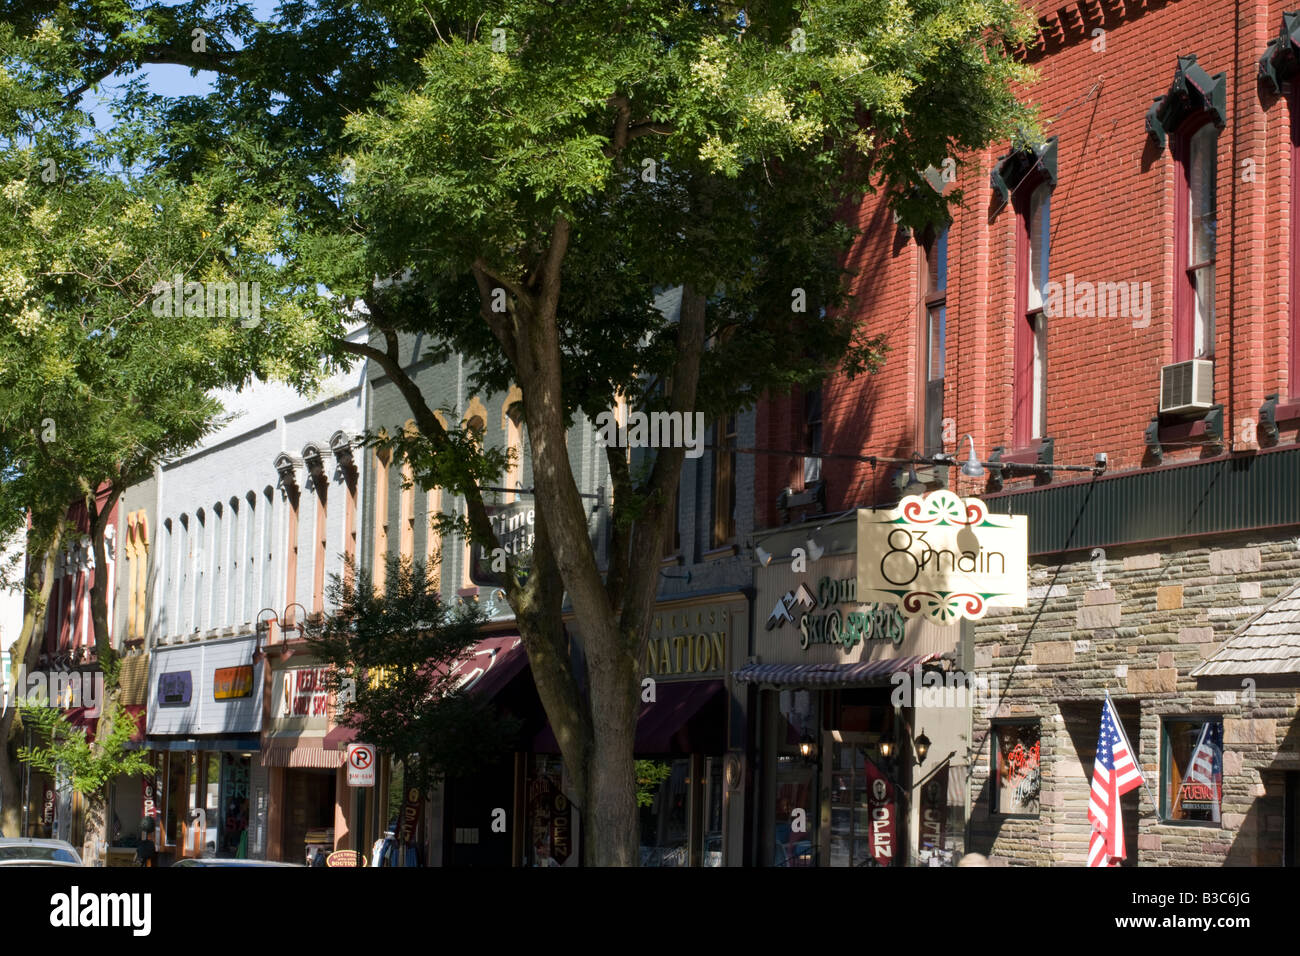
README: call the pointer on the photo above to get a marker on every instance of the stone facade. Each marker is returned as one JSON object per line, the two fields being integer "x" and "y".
{"x": 1134, "y": 622}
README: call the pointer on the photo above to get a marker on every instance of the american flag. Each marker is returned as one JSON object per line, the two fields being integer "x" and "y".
{"x": 1113, "y": 775}
{"x": 1206, "y": 765}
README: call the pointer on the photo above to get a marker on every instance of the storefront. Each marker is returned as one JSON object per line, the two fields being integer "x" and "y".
{"x": 863, "y": 716}
{"x": 689, "y": 745}
{"x": 204, "y": 724}
{"x": 308, "y": 773}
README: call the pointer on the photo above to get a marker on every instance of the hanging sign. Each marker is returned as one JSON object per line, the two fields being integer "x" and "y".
{"x": 883, "y": 813}
{"x": 408, "y": 824}
{"x": 943, "y": 557}
{"x": 934, "y": 810}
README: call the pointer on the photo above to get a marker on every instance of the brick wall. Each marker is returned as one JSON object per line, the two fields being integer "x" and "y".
{"x": 1112, "y": 214}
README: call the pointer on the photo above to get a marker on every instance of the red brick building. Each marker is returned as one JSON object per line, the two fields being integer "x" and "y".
{"x": 1128, "y": 287}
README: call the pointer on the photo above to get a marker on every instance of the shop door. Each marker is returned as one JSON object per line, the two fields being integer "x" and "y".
{"x": 848, "y": 778}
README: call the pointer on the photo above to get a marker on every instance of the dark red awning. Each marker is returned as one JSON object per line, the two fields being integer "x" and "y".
{"x": 79, "y": 719}
{"x": 490, "y": 665}
{"x": 661, "y": 722}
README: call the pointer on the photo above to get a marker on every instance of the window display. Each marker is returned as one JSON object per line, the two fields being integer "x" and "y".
{"x": 1016, "y": 753}
{"x": 1192, "y": 786}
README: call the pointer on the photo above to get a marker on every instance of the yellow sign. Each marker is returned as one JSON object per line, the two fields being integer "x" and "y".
{"x": 231, "y": 683}
{"x": 943, "y": 557}
{"x": 689, "y": 642}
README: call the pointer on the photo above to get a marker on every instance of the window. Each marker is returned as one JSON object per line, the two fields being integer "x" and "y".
{"x": 168, "y": 562}
{"x": 320, "y": 543}
{"x": 1033, "y": 231}
{"x": 475, "y": 421}
{"x": 406, "y": 519}
{"x": 198, "y": 554}
{"x": 1017, "y": 777}
{"x": 1191, "y": 770}
{"x": 812, "y": 437}
{"x": 184, "y": 560}
{"x": 235, "y": 577}
{"x": 1195, "y": 226}
{"x": 512, "y": 423}
{"x": 672, "y": 523}
{"x": 934, "y": 339}
{"x": 251, "y": 547}
{"x": 724, "y": 481}
{"x": 268, "y": 548}
{"x": 379, "y": 570}
{"x": 214, "y": 599}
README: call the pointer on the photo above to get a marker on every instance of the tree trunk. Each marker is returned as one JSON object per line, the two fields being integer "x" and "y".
{"x": 37, "y": 584}
{"x": 610, "y": 826}
{"x": 96, "y": 826}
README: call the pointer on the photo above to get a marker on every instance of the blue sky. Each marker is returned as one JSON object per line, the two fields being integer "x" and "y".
{"x": 169, "y": 80}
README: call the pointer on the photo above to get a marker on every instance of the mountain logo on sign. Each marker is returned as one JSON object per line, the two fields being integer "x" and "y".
{"x": 800, "y": 597}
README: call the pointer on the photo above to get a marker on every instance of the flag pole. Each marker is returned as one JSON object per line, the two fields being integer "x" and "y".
{"x": 1123, "y": 733}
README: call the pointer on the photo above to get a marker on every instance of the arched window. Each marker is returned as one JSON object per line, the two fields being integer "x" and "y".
{"x": 184, "y": 576}
{"x": 379, "y": 570}
{"x": 216, "y": 597}
{"x": 406, "y": 518}
{"x": 167, "y": 561}
{"x": 270, "y": 566}
{"x": 512, "y": 426}
{"x": 475, "y": 420}
{"x": 251, "y": 562}
{"x": 199, "y": 611}
{"x": 234, "y": 562}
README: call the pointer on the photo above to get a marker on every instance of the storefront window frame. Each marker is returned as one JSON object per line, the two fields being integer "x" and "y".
{"x": 995, "y": 766}
{"x": 1165, "y": 758}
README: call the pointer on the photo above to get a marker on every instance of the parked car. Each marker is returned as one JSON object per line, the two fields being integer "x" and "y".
{"x": 28, "y": 851}
{"x": 214, "y": 861}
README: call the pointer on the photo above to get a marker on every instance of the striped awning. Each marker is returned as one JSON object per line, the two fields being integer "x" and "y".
{"x": 301, "y": 752}
{"x": 861, "y": 674}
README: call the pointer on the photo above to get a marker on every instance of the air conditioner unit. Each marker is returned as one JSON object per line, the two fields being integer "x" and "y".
{"x": 1187, "y": 386}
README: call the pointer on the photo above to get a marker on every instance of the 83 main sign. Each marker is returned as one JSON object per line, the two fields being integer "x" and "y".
{"x": 943, "y": 557}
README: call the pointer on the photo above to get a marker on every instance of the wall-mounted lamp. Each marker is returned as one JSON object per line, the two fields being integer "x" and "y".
{"x": 971, "y": 467}
{"x": 808, "y": 748}
{"x": 764, "y": 557}
{"x": 914, "y": 484}
{"x": 922, "y": 745}
{"x": 263, "y": 627}
{"x": 815, "y": 550}
{"x": 886, "y": 748}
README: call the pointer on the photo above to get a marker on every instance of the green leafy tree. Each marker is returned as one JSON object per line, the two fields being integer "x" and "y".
{"x": 105, "y": 368}
{"x": 63, "y": 752}
{"x": 524, "y": 174}
{"x": 393, "y": 653}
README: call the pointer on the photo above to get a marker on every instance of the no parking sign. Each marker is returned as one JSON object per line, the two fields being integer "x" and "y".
{"x": 361, "y": 765}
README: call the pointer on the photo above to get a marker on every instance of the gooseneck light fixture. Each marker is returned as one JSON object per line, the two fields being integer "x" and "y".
{"x": 971, "y": 467}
